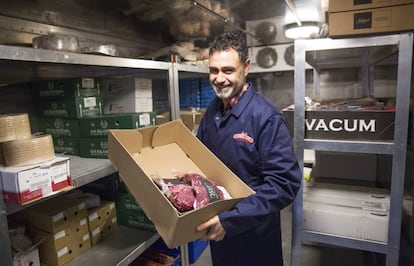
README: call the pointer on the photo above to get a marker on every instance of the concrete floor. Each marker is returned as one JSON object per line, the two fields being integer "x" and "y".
{"x": 316, "y": 255}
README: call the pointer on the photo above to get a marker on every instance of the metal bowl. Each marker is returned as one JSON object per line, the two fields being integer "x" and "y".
{"x": 54, "y": 41}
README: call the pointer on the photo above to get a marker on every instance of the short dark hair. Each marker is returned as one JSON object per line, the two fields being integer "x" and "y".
{"x": 230, "y": 39}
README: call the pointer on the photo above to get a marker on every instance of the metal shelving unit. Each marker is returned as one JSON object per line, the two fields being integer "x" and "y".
{"x": 22, "y": 65}
{"x": 365, "y": 53}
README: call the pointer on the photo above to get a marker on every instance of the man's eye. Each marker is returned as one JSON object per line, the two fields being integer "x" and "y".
{"x": 213, "y": 71}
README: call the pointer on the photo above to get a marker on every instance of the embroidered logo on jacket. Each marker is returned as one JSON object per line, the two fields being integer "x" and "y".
{"x": 243, "y": 137}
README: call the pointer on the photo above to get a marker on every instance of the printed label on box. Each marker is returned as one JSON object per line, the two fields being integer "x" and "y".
{"x": 89, "y": 102}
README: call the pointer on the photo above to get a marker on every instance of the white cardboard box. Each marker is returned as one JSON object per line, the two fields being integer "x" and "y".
{"x": 347, "y": 195}
{"x": 27, "y": 258}
{"x": 345, "y": 221}
{"x": 127, "y": 88}
{"x": 118, "y": 105}
{"x": 348, "y": 211}
{"x": 26, "y": 183}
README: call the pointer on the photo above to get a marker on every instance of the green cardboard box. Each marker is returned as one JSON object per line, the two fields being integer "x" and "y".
{"x": 135, "y": 218}
{"x": 97, "y": 127}
{"x": 93, "y": 148}
{"x": 59, "y": 127}
{"x": 70, "y": 107}
{"x": 66, "y": 145}
{"x": 66, "y": 88}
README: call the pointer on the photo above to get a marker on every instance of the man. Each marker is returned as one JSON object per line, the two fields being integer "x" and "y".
{"x": 251, "y": 137}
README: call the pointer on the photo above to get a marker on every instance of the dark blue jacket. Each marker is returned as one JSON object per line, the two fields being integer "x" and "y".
{"x": 253, "y": 141}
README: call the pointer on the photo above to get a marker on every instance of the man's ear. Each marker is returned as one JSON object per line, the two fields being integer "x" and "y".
{"x": 247, "y": 66}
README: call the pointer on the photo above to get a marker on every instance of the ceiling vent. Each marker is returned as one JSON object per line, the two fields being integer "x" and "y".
{"x": 266, "y": 31}
{"x": 272, "y": 58}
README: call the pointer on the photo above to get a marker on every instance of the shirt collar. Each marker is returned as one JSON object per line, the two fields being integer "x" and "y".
{"x": 233, "y": 101}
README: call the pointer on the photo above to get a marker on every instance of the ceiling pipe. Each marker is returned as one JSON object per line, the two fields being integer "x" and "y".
{"x": 292, "y": 8}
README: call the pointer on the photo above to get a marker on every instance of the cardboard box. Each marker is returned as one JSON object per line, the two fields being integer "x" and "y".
{"x": 120, "y": 105}
{"x": 191, "y": 119}
{"x": 22, "y": 185}
{"x": 135, "y": 218}
{"x": 93, "y": 148}
{"x": 59, "y": 127}
{"x": 371, "y": 21}
{"x": 346, "y": 125}
{"x": 163, "y": 118}
{"x": 70, "y": 107}
{"x": 97, "y": 127}
{"x": 78, "y": 228}
{"x": 139, "y": 154}
{"x": 59, "y": 171}
{"x": 79, "y": 87}
{"x": 56, "y": 257}
{"x": 127, "y": 88}
{"x": 126, "y": 201}
{"x": 28, "y": 257}
{"x": 372, "y": 199}
{"x": 102, "y": 214}
{"x": 80, "y": 244}
{"x": 56, "y": 215}
{"x": 362, "y": 193}
{"x": 66, "y": 146}
{"x": 341, "y": 5}
{"x": 103, "y": 230}
{"x": 345, "y": 221}
{"x": 51, "y": 241}
{"x": 27, "y": 183}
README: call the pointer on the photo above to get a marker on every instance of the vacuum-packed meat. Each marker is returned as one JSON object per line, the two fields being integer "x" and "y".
{"x": 190, "y": 191}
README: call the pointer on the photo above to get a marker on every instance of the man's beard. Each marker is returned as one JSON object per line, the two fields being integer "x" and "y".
{"x": 227, "y": 94}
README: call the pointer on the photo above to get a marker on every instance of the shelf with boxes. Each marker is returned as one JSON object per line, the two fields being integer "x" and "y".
{"x": 321, "y": 131}
{"x": 22, "y": 65}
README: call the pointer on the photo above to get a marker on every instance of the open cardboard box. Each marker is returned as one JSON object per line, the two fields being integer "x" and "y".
{"x": 138, "y": 154}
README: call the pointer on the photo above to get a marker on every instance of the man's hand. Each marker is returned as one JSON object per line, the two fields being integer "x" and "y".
{"x": 215, "y": 230}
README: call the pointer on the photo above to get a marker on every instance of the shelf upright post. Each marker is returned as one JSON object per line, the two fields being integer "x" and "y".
{"x": 5, "y": 246}
{"x": 405, "y": 54}
{"x": 175, "y": 114}
{"x": 298, "y": 142}
{"x": 174, "y": 91}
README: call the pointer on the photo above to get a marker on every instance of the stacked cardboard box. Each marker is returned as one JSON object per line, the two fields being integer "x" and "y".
{"x": 348, "y": 18}
{"x": 74, "y": 98}
{"x": 102, "y": 221}
{"x": 131, "y": 214}
{"x": 60, "y": 104}
{"x": 93, "y": 142}
{"x": 63, "y": 226}
{"x": 127, "y": 95}
{"x": 347, "y": 211}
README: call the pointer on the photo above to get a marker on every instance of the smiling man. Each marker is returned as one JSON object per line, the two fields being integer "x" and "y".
{"x": 247, "y": 133}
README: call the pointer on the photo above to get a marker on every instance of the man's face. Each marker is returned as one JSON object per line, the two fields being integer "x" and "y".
{"x": 227, "y": 73}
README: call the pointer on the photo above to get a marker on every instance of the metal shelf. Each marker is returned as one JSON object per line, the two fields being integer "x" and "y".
{"x": 342, "y": 241}
{"x": 364, "y": 53}
{"x": 22, "y": 65}
{"x": 120, "y": 248}
{"x": 349, "y": 146}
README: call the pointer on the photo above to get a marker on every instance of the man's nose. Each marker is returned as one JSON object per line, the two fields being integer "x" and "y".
{"x": 221, "y": 77}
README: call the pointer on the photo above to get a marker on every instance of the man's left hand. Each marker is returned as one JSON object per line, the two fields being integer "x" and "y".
{"x": 215, "y": 230}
